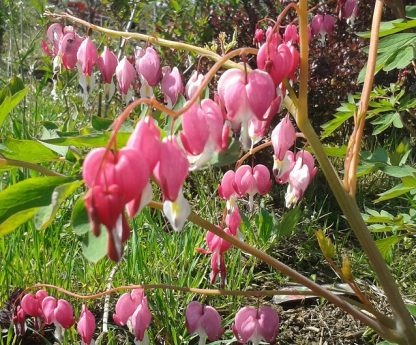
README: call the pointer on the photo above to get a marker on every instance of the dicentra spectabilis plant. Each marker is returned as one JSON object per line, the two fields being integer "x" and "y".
{"x": 149, "y": 70}
{"x": 256, "y": 324}
{"x": 118, "y": 179}
{"x": 107, "y": 64}
{"x": 125, "y": 74}
{"x": 86, "y": 326}
{"x": 58, "y": 312}
{"x": 204, "y": 321}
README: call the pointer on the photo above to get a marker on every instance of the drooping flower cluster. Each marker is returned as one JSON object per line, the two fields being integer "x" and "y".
{"x": 47, "y": 310}
{"x": 120, "y": 181}
{"x": 234, "y": 185}
{"x": 71, "y": 50}
{"x": 246, "y": 101}
{"x": 279, "y": 57}
{"x": 132, "y": 310}
{"x": 298, "y": 170}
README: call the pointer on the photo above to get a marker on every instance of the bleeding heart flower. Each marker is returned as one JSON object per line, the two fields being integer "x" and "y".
{"x": 32, "y": 304}
{"x": 282, "y": 168}
{"x": 252, "y": 181}
{"x": 227, "y": 189}
{"x": 308, "y": 159}
{"x": 87, "y": 56}
{"x": 172, "y": 85}
{"x": 204, "y": 132}
{"x": 105, "y": 205}
{"x": 55, "y": 34}
{"x": 148, "y": 65}
{"x": 349, "y": 10}
{"x": 140, "y": 322}
{"x": 86, "y": 326}
{"x": 172, "y": 169}
{"x": 300, "y": 177}
{"x": 19, "y": 321}
{"x": 193, "y": 84}
{"x": 245, "y": 96}
{"x": 275, "y": 59}
{"x": 60, "y": 313}
{"x": 233, "y": 221}
{"x": 177, "y": 212}
{"x": 107, "y": 64}
{"x": 273, "y": 37}
{"x": 204, "y": 321}
{"x": 291, "y": 34}
{"x": 126, "y": 305}
{"x": 255, "y": 325}
{"x": 125, "y": 74}
{"x": 258, "y": 37}
{"x": 146, "y": 140}
{"x": 283, "y": 137}
{"x": 68, "y": 49}
{"x": 323, "y": 24}
{"x": 126, "y": 168}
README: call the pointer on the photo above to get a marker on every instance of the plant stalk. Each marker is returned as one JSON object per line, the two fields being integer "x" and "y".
{"x": 288, "y": 271}
{"x": 354, "y": 145}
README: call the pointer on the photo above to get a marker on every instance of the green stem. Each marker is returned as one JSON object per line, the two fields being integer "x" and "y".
{"x": 31, "y": 166}
{"x": 353, "y": 215}
{"x": 405, "y": 328}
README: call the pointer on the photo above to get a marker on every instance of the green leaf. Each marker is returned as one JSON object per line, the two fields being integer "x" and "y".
{"x": 10, "y": 102}
{"x": 387, "y": 49}
{"x": 386, "y": 28}
{"x": 402, "y": 59}
{"x": 410, "y": 307}
{"x": 91, "y": 140}
{"x": 409, "y": 181}
{"x": 288, "y": 222}
{"x": 29, "y": 194}
{"x": 17, "y": 219}
{"x": 385, "y": 246}
{"x": 94, "y": 248}
{"x": 411, "y": 11}
{"x": 334, "y": 151}
{"x": 47, "y": 214}
{"x": 100, "y": 123}
{"x": 79, "y": 218}
{"x": 379, "y": 155}
{"x": 332, "y": 125}
{"x": 398, "y": 171}
{"x": 264, "y": 223}
{"x": 395, "y": 42}
{"x": 227, "y": 156}
{"x": 394, "y": 192}
{"x": 383, "y": 122}
{"x": 27, "y": 150}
